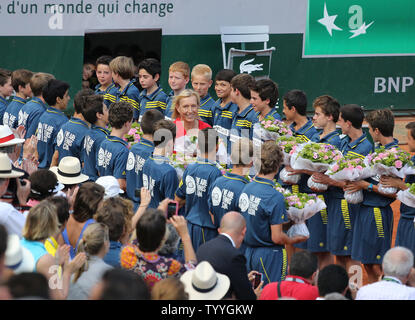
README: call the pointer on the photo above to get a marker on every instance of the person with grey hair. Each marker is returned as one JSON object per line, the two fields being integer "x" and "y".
{"x": 397, "y": 265}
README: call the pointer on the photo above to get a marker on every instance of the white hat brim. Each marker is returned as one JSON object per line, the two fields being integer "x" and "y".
{"x": 12, "y": 174}
{"x": 217, "y": 293}
{"x": 27, "y": 264}
{"x": 15, "y": 141}
{"x": 69, "y": 180}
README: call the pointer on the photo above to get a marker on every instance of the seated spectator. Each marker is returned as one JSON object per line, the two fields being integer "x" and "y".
{"x": 204, "y": 283}
{"x": 300, "y": 282}
{"x": 95, "y": 243}
{"x": 332, "y": 278}
{"x": 29, "y": 285}
{"x": 120, "y": 284}
{"x": 397, "y": 264}
{"x": 62, "y": 210}
{"x": 44, "y": 184}
{"x": 85, "y": 206}
{"x": 169, "y": 289}
{"x": 144, "y": 258}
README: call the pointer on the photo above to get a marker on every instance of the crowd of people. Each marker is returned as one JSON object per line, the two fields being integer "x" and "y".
{"x": 143, "y": 194}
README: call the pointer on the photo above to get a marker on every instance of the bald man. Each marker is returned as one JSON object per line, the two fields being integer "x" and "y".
{"x": 223, "y": 254}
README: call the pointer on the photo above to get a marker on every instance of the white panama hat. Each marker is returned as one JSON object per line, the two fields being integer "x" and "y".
{"x": 6, "y": 170}
{"x": 69, "y": 171}
{"x": 18, "y": 258}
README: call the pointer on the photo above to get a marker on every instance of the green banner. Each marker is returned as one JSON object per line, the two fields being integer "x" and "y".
{"x": 359, "y": 28}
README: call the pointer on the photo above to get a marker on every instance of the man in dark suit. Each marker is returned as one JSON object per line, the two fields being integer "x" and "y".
{"x": 223, "y": 254}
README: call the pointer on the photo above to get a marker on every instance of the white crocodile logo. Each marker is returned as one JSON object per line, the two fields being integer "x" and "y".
{"x": 249, "y": 68}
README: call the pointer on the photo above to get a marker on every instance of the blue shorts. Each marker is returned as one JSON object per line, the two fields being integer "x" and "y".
{"x": 405, "y": 235}
{"x": 372, "y": 234}
{"x": 200, "y": 235}
{"x": 340, "y": 216}
{"x": 270, "y": 261}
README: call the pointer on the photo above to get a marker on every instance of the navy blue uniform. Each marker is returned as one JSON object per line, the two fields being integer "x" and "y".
{"x": 131, "y": 95}
{"x": 405, "y": 235}
{"x": 48, "y": 127}
{"x": 3, "y": 106}
{"x": 262, "y": 207}
{"x": 222, "y": 120}
{"x": 112, "y": 157}
{"x": 11, "y": 115}
{"x": 109, "y": 94}
{"x": 169, "y": 111}
{"x": 206, "y": 109}
{"x": 29, "y": 115}
{"x": 195, "y": 187}
{"x": 242, "y": 126}
{"x": 70, "y": 137}
{"x": 91, "y": 143}
{"x": 156, "y": 100}
{"x": 138, "y": 155}
{"x": 225, "y": 195}
{"x": 372, "y": 234}
{"x": 160, "y": 178}
{"x": 341, "y": 215}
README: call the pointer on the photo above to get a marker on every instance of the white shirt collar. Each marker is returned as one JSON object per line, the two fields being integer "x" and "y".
{"x": 230, "y": 238}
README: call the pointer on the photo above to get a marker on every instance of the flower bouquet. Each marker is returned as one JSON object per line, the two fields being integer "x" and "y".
{"x": 315, "y": 157}
{"x": 134, "y": 135}
{"x": 180, "y": 161}
{"x": 393, "y": 162}
{"x": 350, "y": 169}
{"x": 300, "y": 207}
{"x": 271, "y": 129}
{"x": 407, "y": 196}
{"x": 288, "y": 146}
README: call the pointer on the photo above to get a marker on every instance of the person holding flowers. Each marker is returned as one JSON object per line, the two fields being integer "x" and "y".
{"x": 340, "y": 214}
{"x": 264, "y": 97}
{"x": 263, "y": 208}
{"x": 374, "y": 220}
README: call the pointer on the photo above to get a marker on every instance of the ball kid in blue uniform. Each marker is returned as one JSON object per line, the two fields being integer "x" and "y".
{"x": 69, "y": 140}
{"x": 341, "y": 215}
{"x": 263, "y": 208}
{"x": 152, "y": 96}
{"x": 139, "y": 153}
{"x": 106, "y": 86}
{"x": 122, "y": 69}
{"x": 113, "y": 152}
{"x": 96, "y": 113}
{"x": 21, "y": 85}
{"x": 179, "y": 75}
{"x": 56, "y": 95}
{"x": 158, "y": 175}
{"x": 374, "y": 221}
{"x": 201, "y": 78}
{"x": 196, "y": 186}
{"x": 6, "y": 90}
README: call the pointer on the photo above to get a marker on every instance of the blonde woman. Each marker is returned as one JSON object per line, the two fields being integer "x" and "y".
{"x": 95, "y": 244}
{"x": 42, "y": 223}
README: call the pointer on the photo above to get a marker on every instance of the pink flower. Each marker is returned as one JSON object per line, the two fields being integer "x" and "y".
{"x": 398, "y": 164}
{"x": 335, "y": 168}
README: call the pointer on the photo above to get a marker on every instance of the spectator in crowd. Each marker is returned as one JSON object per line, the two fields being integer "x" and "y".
{"x": 204, "y": 283}
{"x": 95, "y": 244}
{"x": 29, "y": 286}
{"x": 397, "y": 265}
{"x": 332, "y": 278}
{"x": 120, "y": 284}
{"x": 62, "y": 209}
{"x": 43, "y": 184}
{"x": 169, "y": 289}
{"x": 144, "y": 259}
{"x": 111, "y": 186}
{"x": 3, "y": 248}
{"x": 223, "y": 254}
{"x": 300, "y": 282}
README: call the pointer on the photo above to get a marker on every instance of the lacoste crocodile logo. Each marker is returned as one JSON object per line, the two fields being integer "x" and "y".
{"x": 249, "y": 68}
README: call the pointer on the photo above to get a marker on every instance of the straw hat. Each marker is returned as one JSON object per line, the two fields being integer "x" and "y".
{"x": 7, "y": 137}
{"x": 6, "y": 170}
{"x": 111, "y": 185}
{"x": 18, "y": 258}
{"x": 69, "y": 171}
{"x": 204, "y": 283}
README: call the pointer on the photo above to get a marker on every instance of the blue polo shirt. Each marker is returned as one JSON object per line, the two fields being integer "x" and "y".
{"x": 306, "y": 132}
{"x": 374, "y": 199}
{"x": 273, "y": 113}
{"x": 169, "y": 112}
{"x": 242, "y": 125}
{"x": 332, "y": 138}
{"x": 196, "y": 187}
{"x": 138, "y": 155}
{"x": 262, "y": 206}
{"x": 156, "y": 100}
{"x": 160, "y": 178}
{"x": 112, "y": 157}
{"x": 48, "y": 127}
{"x": 70, "y": 137}
{"x": 131, "y": 95}
{"x": 206, "y": 109}
{"x": 109, "y": 94}
{"x": 11, "y": 115}
{"x": 29, "y": 115}
{"x": 407, "y": 211}
{"x": 225, "y": 195}
{"x": 222, "y": 119}
{"x": 91, "y": 143}
{"x": 3, "y": 106}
